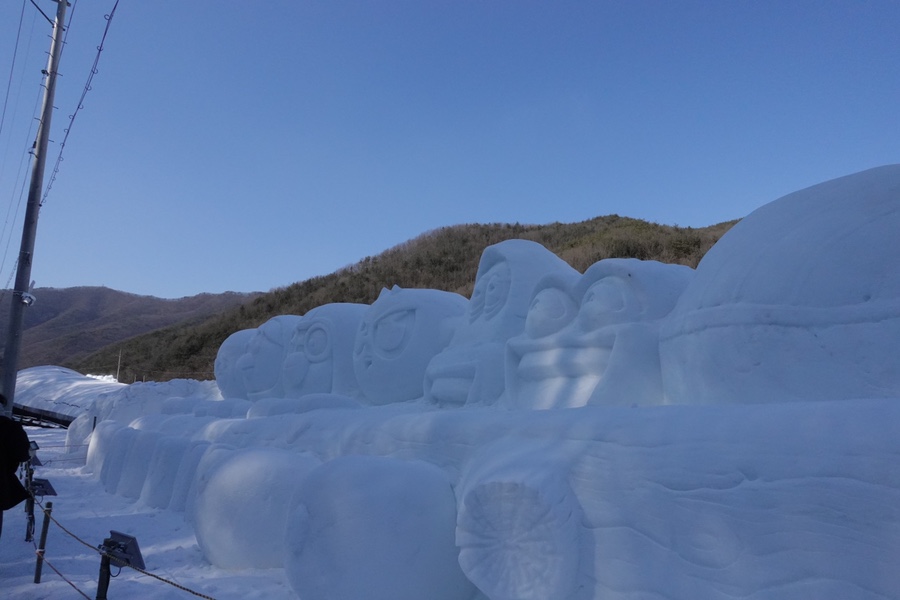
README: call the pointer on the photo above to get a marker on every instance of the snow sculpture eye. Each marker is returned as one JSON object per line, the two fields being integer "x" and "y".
{"x": 491, "y": 291}
{"x": 549, "y": 312}
{"x": 392, "y": 332}
{"x": 605, "y": 303}
{"x": 316, "y": 344}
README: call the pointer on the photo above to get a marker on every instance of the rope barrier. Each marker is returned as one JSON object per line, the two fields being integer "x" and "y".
{"x": 112, "y": 558}
{"x": 57, "y": 571}
{"x": 149, "y": 574}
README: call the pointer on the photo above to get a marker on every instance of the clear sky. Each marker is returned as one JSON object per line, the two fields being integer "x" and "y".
{"x": 248, "y": 145}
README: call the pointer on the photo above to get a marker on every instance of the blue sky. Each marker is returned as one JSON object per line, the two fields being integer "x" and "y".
{"x": 248, "y": 145}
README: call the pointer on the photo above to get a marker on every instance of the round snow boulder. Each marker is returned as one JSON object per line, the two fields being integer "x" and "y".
{"x": 240, "y": 513}
{"x": 375, "y": 528}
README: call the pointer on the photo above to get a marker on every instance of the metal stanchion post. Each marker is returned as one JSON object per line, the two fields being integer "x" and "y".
{"x": 43, "y": 543}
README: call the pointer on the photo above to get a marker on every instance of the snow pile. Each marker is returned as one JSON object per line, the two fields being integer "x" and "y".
{"x": 60, "y": 391}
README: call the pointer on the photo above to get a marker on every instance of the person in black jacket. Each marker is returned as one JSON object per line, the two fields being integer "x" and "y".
{"x": 14, "y": 449}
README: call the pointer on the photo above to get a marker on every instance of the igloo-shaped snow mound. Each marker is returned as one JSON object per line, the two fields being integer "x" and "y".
{"x": 798, "y": 301}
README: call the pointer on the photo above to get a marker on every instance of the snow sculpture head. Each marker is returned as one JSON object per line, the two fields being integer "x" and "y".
{"x": 261, "y": 366}
{"x": 398, "y": 336}
{"x": 228, "y": 377}
{"x": 798, "y": 301}
{"x": 320, "y": 355}
{"x": 594, "y": 341}
{"x": 470, "y": 370}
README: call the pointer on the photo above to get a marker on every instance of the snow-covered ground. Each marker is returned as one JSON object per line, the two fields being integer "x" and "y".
{"x": 167, "y": 543}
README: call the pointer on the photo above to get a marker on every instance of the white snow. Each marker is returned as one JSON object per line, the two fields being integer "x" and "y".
{"x": 729, "y": 432}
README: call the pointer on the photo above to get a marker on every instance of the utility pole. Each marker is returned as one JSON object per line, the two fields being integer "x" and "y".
{"x": 21, "y": 298}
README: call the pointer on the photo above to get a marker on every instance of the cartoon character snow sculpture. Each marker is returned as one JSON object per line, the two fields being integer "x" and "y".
{"x": 261, "y": 366}
{"x": 799, "y": 301}
{"x": 470, "y": 370}
{"x": 594, "y": 341}
{"x": 320, "y": 357}
{"x": 228, "y": 377}
{"x": 398, "y": 336}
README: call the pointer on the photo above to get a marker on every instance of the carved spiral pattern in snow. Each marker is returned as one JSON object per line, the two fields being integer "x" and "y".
{"x": 519, "y": 541}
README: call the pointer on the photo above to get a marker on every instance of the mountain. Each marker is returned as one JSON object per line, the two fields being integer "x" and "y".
{"x": 65, "y": 325}
{"x": 444, "y": 259}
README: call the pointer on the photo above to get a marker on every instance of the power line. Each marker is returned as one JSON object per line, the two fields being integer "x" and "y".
{"x": 87, "y": 88}
{"x": 12, "y": 67}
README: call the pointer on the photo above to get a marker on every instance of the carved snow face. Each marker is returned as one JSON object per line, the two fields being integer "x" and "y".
{"x": 470, "y": 370}
{"x": 491, "y": 293}
{"x": 228, "y": 376}
{"x": 321, "y": 350}
{"x": 261, "y": 365}
{"x": 602, "y": 350}
{"x": 396, "y": 339}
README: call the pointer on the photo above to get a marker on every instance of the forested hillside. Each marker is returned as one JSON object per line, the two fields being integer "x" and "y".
{"x": 445, "y": 259}
{"x": 66, "y": 324}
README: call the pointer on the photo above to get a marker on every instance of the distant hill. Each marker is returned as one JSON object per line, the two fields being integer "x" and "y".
{"x": 65, "y": 325}
{"x": 444, "y": 259}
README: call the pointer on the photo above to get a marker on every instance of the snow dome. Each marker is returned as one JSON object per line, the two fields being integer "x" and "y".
{"x": 798, "y": 301}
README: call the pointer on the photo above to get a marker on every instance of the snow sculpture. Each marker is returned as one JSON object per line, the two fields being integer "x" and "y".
{"x": 375, "y": 528}
{"x": 605, "y": 351}
{"x": 242, "y": 510}
{"x": 261, "y": 365}
{"x": 228, "y": 377}
{"x": 796, "y": 302}
{"x": 321, "y": 351}
{"x": 470, "y": 370}
{"x": 269, "y": 407}
{"x": 399, "y": 335}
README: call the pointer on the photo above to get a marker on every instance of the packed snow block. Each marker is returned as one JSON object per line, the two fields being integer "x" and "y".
{"x": 799, "y": 301}
{"x": 137, "y": 464}
{"x": 100, "y": 444}
{"x": 470, "y": 369}
{"x": 519, "y": 525}
{"x": 224, "y": 409}
{"x": 228, "y": 377}
{"x": 594, "y": 339}
{"x": 170, "y": 451}
{"x": 375, "y": 528}
{"x": 320, "y": 352}
{"x": 241, "y": 512}
{"x": 78, "y": 434}
{"x": 114, "y": 462}
{"x": 184, "y": 478}
{"x": 398, "y": 336}
{"x": 270, "y": 407}
{"x": 770, "y": 502}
